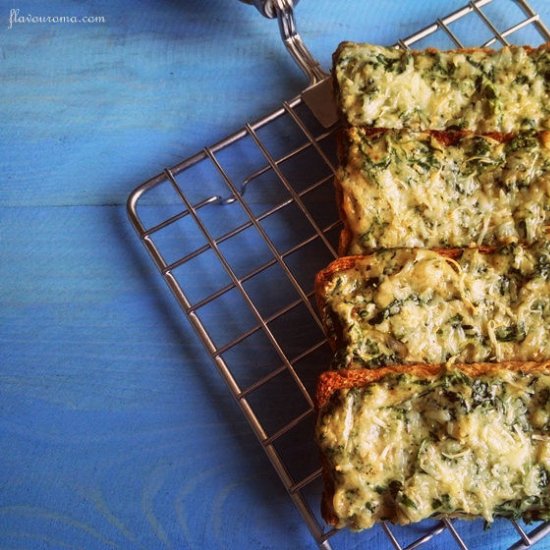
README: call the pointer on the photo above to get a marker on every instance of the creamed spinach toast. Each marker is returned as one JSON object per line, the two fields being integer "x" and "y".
{"x": 437, "y": 306}
{"x": 480, "y": 90}
{"x": 398, "y": 188}
{"x": 408, "y": 444}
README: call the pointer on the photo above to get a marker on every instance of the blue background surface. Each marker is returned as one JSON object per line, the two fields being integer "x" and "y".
{"x": 115, "y": 429}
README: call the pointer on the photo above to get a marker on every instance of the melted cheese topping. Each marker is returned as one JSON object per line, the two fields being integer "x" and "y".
{"x": 416, "y": 306}
{"x": 406, "y": 189}
{"x": 487, "y": 91}
{"x": 406, "y": 448}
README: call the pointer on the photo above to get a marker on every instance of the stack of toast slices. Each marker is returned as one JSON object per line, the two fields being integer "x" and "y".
{"x": 437, "y": 401}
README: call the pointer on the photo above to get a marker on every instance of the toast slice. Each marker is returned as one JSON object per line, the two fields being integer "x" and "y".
{"x": 397, "y": 188}
{"x": 410, "y": 443}
{"x": 480, "y": 90}
{"x": 407, "y": 306}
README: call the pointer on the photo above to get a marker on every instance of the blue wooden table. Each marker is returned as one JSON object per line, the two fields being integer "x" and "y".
{"x": 115, "y": 429}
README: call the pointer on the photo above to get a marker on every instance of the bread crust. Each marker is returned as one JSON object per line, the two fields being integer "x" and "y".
{"x": 332, "y": 381}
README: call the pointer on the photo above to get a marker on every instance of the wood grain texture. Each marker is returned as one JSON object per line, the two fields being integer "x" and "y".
{"x": 115, "y": 429}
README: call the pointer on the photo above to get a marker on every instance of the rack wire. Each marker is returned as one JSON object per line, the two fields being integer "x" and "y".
{"x": 238, "y": 232}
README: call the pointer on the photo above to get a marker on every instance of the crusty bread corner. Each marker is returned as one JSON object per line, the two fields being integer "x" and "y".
{"x": 332, "y": 381}
{"x": 336, "y": 88}
{"x": 344, "y": 263}
{"x": 322, "y": 279}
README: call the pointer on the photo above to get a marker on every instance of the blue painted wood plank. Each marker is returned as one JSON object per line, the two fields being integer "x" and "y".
{"x": 116, "y": 430}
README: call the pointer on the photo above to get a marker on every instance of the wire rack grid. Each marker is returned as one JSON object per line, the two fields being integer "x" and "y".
{"x": 244, "y": 273}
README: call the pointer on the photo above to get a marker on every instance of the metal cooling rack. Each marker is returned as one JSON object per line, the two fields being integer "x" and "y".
{"x": 243, "y": 272}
